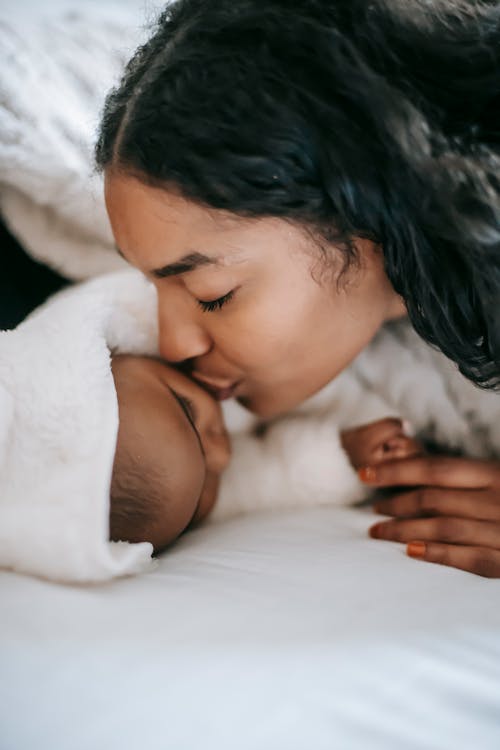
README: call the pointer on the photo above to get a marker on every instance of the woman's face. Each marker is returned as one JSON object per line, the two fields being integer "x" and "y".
{"x": 247, "y": 303}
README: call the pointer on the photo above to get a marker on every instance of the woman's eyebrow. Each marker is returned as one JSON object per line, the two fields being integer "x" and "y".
{"x": 186, "y": 264}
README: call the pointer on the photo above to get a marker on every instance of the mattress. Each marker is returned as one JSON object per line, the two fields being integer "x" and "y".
{"x": 289, "y": 631}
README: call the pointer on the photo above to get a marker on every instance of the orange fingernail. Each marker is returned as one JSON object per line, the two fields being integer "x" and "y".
{"x": 415, "y": 549}
{"x": 367, "y": 474}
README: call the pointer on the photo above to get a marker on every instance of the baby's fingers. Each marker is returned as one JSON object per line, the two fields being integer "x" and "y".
{"x": 479, "y": 560}
{"x": 429, "y": 501}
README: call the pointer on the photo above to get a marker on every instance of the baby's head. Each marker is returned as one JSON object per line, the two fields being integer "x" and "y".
{"x": 172, "y": 447}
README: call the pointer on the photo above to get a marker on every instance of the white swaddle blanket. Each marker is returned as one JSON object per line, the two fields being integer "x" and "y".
{"x": 58, "y": 426}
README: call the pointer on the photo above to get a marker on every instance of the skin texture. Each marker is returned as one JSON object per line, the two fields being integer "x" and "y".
{"x": 175, "y": 457}
{"x": 287, "y": 330}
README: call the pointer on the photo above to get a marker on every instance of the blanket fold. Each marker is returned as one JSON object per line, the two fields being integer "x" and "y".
{"x": 58, "y": 427}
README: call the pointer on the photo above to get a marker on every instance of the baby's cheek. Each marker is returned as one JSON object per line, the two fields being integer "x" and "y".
{"x": 208, "y": 497}
{"x": 217, "y": 448}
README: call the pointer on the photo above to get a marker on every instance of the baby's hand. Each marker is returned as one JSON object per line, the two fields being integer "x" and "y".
{"x": 379, "y": 441}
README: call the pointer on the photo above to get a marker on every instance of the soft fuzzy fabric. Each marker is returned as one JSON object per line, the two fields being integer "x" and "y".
{"x": 58, "y": 425}
{"x": 53, "y": 79}
{"x": 425, "y": 387}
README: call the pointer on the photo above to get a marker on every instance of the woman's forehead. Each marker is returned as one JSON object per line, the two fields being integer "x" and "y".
{"x": 165, "y": 234}
{"x": 127, "y": 195}
{"x": 166, "y": 205}
{"x": 155, "y": 222}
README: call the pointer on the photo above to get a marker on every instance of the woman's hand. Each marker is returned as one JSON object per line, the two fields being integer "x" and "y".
{"x": 446, "y": 509}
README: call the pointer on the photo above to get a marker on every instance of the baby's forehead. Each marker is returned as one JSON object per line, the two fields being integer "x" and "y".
{"x": 160, "y": 412}
{"x": 168, "y": 432}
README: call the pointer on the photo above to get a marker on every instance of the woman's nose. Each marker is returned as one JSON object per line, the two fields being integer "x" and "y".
{"x": 181, "y": 339}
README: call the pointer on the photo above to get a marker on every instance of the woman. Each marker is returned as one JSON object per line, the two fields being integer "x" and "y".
{"x": 291, "y": 177}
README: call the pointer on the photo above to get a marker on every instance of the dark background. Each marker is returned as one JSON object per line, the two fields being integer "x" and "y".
{"x": 24, "y": 283}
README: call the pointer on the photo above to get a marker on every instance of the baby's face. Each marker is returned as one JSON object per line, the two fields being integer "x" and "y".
{"x": 174, "y": 431}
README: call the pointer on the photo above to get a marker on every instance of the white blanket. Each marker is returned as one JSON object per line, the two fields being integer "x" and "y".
{"x": 53, "y": 78}
{"x": 58, "y": 425}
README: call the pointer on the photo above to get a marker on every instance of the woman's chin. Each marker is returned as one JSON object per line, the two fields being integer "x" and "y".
{"x": 265, "y": 408}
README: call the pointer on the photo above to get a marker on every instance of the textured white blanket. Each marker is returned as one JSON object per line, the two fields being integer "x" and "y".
{"x": 58, "y": 425}
{"x": 53, "y": 78}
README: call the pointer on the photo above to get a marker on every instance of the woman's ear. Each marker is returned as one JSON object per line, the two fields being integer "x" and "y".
{"x": 371, "y": 260}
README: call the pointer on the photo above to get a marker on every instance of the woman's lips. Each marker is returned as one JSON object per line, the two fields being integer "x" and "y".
{"x": 224, "y": 393}
{"x": 220, "y": 389}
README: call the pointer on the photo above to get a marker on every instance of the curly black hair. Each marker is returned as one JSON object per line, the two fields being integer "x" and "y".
{"x": 377, "y": 119}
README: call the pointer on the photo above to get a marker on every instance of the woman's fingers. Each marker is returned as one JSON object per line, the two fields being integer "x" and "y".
{"x": 429, "y": 501}
{"x": 479, "y": 560}
{"x": 453, "y": 510}
{"x": 439, "y": 471}
{"x": 447, "y": 529}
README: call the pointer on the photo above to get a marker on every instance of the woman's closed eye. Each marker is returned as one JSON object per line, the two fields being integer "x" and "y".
{"x": 216, "y": 304}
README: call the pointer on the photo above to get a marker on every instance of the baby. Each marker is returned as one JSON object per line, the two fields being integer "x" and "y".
{"x": 173, "y": 447}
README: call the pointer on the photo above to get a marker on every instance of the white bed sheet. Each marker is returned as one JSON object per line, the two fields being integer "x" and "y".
{"x": 269, "y": 632}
